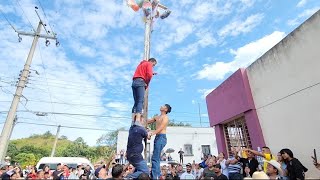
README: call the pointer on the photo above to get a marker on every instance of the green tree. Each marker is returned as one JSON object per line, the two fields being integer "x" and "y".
{"x": 172, "y": 122}
{"x": 48, "y": 135}
{"x": 25, "y": 159}
{"x": 13, "y": 151}
{"x": 63, "y": 137}
{"x": 38, "y": 152}
{"x": 110, "y": 139}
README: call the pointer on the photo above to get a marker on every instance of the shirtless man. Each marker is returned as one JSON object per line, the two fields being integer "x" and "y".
{"x": 160, "y": 140}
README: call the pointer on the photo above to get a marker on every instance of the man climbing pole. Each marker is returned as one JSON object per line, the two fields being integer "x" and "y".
{"x": 140, "y": 83}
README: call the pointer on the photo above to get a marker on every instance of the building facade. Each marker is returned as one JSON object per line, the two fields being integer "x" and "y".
{"x": 275, "y": 101}
{"x": 193, "y": 141}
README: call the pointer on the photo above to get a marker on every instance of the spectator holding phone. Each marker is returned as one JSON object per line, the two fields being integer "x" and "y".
{"x": 315, "y": 161}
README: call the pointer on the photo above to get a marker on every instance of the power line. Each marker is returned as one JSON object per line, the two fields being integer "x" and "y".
{"x": 7, "y": 20}
{"x": 66, "y": 87}
{"x": 45, "y": 75}
{"x": 71, "y": 127}
{"x": 86, "y": 115}
{"x": 45, "y": 15}
{"x": 24, "y": 14}
{"x": 296, "y": 92}
{"x": 97, "y": 106}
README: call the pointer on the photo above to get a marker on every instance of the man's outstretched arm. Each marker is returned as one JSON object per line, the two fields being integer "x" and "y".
{"x": 152, "y": 120}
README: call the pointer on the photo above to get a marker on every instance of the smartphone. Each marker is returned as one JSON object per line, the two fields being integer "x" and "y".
{"x": 315, "y": 156}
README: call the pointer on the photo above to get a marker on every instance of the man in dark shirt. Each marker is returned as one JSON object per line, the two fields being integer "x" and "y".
{"x": 181, "y": 155}
{"x": 137, "y": 133}
{"x": 219, "y": 175}
{"x": 249, "y": 162}
{"x": 57, "y": 173}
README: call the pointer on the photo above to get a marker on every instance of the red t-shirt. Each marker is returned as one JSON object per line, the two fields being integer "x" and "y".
{"x": 144, "y": 71}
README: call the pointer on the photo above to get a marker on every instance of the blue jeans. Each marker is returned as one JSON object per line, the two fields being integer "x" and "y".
{"x": 140, "y": 167}
{"x": 138, "y": 90}
{"x": 159, "y": 143}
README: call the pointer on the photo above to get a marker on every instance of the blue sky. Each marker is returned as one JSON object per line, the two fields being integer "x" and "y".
{"x": 198, "y": 46}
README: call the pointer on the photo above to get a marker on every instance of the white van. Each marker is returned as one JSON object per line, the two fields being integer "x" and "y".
{"x": 72, "y": 162}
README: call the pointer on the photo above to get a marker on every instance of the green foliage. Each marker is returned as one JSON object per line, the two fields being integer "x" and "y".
{"x": 28, "y": 151}
{"x": 172, "y": 123}
{"x": 63, "y": 137}
{"x": 26, "y": 159}
{"x": 110, "y": 139}
{"x": 152, "y": 126}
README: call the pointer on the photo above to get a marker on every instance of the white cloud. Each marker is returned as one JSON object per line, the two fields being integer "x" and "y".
{"x": 73, "y": 87}
{"x": 301, "y": 3}
{"x": 181, "y": 84}
{"x": 204, "y": 39}
{"x": 247, "y": 3}
{"x": 302, "y": 16}
{"x": 243, "y": 56}
{"x": 237, "y": 27}
{"x": 121, "y": 106}
{"x": 205, "y": 92}
{"x": 202, "y": 11}
{"x": 180, "y": 31}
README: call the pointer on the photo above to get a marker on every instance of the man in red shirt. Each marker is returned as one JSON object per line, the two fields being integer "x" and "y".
{"x": 140, "y": 83}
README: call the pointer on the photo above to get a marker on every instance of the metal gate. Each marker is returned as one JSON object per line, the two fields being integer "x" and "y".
{"x": 236, "y": 133}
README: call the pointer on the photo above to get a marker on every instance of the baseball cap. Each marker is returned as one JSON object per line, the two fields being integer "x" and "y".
{"x": 189, "y": 164}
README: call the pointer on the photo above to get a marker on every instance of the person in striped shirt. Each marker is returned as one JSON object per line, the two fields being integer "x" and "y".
{"x": 234, "y": 165}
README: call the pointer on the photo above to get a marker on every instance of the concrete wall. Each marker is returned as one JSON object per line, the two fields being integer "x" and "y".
{"x": 177, "y": 137}
{"x": 287, "y": 107}
{"x": 231, "y": 99}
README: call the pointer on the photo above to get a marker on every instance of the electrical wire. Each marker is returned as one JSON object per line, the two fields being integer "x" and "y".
{"x": 24, "y": 14}
{"x": 70, "y": 127}
{"x": 7, "y": 20}
{"x": 99, "y": 106}
{"x": 45, "y": 15}
{"x": 45, "y": 75}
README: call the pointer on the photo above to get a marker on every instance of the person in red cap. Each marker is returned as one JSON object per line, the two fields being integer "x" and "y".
{"x": 140, "y": 83}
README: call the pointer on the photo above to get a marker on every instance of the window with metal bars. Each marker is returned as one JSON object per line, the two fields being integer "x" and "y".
{"x": 236, "y": 133}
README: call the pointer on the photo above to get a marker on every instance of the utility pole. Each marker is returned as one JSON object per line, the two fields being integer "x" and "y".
{"x": 146, "y": 56}
{"x": 9, "y": 123}
{"x": 199, "y": 114}
{"x": 55, "y": 142}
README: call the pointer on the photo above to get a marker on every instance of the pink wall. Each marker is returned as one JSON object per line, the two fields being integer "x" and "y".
{"x": 233, "y": 97}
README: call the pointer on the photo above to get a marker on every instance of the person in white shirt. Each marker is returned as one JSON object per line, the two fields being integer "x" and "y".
{"x": 222, "y": 162}
{"x": 188, "y": 174}
{"x": 197, "y": 171}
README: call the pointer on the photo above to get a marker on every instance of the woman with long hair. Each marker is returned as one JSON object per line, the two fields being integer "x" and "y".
{"x": 295, "y": 169}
